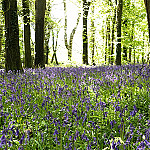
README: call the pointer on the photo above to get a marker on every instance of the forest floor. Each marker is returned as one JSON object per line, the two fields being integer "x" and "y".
{"x": 98, "y": 107}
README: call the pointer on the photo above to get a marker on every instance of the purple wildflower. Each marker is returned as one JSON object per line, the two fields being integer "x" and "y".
{"x": 22, "y": 139}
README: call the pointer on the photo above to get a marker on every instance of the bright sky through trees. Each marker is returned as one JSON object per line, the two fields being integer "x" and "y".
{"x": 73, "y": 8}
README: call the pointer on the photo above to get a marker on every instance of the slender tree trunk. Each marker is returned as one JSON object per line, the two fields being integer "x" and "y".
{"x": 69, "y": 44}
{"x": 92, "y": 45}
{"x": 54, "y": 47}
{"x": 48, "y": 28}
{"x": 118, "y": 47}
{"x": 147, "y": 5}
{"x": 134, "y": 56}
{"x": 13, "y": 61}
{"x": 106, "y": 46}
{"x": 108, "y": 39}
{"x": 86, "y": 6}
{"x": 143, "y": 60}
{"x": 124, "y": 46}
{"x": 1, "y": 35}
{"x": 113, "y": 35}
{"x": 40, "y": 6}
{"x": 130, "y": 51}
{"x": 131, "y": 46}
{"x": 47, "y": 50}
{"x": 27, "y": 45}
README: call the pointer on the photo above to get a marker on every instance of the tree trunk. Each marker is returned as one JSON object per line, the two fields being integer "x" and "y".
{"x": 27, "y": 45}
{"x": 113, "y": 35}
{"x": 40, "y": 6}
{"x": 118, "y": 47}
{"x": 106, "y": 46}
{"x": 92, "y": 45}
{"x": 47, "y": 50}
{"x": 13, "y": 61}
{"x": 1, "y": 35}
{"x": 54, "y": 48}
{"x": 147, "y": 5}
{"x": 124, "y": 46}
{"x": 69, "y": 44}
{"x": 108, "y": 39}
{"x": 48, "y": 27}
{"x": 131, "y": 39}
{"x": 86, "y": 6}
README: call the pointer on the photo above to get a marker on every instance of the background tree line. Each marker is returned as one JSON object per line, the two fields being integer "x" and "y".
{"x": 113, "y": 32}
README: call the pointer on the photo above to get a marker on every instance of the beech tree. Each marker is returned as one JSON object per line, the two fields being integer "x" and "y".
{"x": 27, "y": 45}
{"x": 118, "y": 47}
{"x": 113, "y": 32}
{"x": 92, "y": 39}
{"x": 13, "y": 61}
{"x": 147, "y": 5}
{"x": 69, "y": 44}
{"x": 1, "y": 35}
{"x": 54, "y": 47}
{"x": 40, "y": 6}
{"x": 86, "y": 6}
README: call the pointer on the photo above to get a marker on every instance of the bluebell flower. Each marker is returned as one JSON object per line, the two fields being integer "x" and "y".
{"x": 22, "y": 139}
{"x": 55, "y": 132}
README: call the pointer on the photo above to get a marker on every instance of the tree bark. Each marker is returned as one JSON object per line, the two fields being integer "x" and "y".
{"x": 108, "y": 40}
{"x": 54, "y": 47}
{"x": 13, "y": 61}
{"x": 131, "y": 46}
{"x": 69, "y": 44}
{"x": 47, "y": 51}
{"x": 118, "y": 47}
{"x": 113, "y": 37}
{"x": 49, "y": 25}
{"x": 1, "y": 35}
{"x": 147, "y": 5}
{"x": 86, "y": 6}
{"x": 27, "y": 45}
{"x": 40, "y": 6}
{"x": 124, "y": 46}
{"x": 92, "y": 45}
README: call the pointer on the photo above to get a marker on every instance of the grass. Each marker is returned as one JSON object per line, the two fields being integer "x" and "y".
{"x": 80, "y": 108}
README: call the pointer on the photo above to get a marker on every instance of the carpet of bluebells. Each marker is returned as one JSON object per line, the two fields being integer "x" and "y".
{"x": 76, "y": 108}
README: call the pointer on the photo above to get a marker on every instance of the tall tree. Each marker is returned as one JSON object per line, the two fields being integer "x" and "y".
{"x": 48, "y": 27}
{"x": 27, "y": 45}
{"x": 118, "y": 47}
{"x": 40, "y": 6}
{"x": 54, "y": 47}
{"x": 13, "y": 61}
{"x": 113, "y": 32}
{"x": 147, "y": 5}
{"x": 125, "y": 22}
{"x": 131, "y": 39}
{"x": 92, "y": 42}
{"x": 1, "y": 35}
{"x": 69, "y": 44}
{"x": 86, "y": 6}
{"x": 108, "y": 38}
